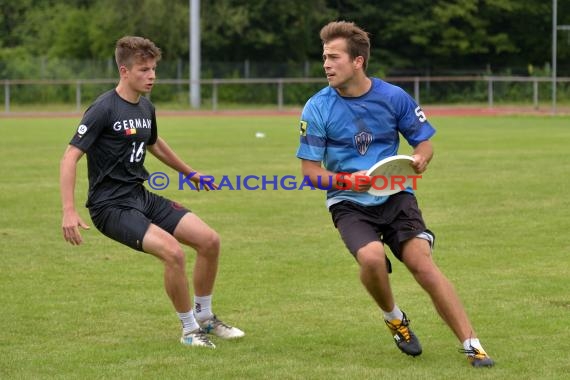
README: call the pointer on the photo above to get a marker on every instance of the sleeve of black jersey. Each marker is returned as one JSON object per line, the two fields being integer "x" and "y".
{"x": 92, "y": 124}
{"x": 153, "y": 130}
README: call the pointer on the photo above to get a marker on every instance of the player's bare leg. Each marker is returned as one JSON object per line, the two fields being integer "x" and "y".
{"x": 374, "y": 274}
{"x": 374, "y": 277}
{"x": 416, "y": 254}
{"x": 165, "y": 247}
{"x": 417, "y": 257}
{"x": 192, "y": 231}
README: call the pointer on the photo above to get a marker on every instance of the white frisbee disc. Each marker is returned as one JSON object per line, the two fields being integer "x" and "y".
{"x": 391, "y": 175}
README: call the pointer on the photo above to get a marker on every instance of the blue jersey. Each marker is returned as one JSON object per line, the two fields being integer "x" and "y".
{"x": 348, "y": 134}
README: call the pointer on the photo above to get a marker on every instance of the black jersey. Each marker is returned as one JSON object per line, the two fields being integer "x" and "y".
{"x": 114, "y": 134}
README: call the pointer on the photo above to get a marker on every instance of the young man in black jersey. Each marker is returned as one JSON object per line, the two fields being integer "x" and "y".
{"x": 115, "y": 133}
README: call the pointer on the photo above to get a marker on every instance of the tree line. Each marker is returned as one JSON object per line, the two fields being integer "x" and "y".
{"x": 416, "y": 36}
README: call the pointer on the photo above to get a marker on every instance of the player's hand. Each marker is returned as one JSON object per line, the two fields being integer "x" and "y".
{"x": 70, "y": 226}
{"x": 357, "y": 181}
{"x": 360, "y": 181}
{"x": 203, "y": 181}
{"x": 419, "y": 164}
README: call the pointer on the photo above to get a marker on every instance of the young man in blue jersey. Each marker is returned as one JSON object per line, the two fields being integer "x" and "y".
{"x": 346, "y": 128}
{"x": 115, "y": 133}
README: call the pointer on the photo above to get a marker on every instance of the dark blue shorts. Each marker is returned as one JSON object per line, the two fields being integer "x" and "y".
{"x": 393, "y": 222}
{"x": 127, "y": 220}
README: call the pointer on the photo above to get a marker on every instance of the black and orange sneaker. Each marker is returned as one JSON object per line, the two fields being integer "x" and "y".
{"x": 405, "y": 339}
{"x": 477, "y": 357}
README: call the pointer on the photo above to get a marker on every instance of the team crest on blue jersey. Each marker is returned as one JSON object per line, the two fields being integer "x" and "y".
{"x": 363, "y": 140}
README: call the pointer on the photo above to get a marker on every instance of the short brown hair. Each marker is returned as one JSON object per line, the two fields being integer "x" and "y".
{"x": 131, "y": 49}
{"x": 357, "y": 40}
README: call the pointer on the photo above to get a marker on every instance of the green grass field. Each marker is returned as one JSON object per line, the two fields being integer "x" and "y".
{"x": 495, "y": 195}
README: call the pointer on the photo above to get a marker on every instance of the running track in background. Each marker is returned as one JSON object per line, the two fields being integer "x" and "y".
{"x": 430, "y": 111}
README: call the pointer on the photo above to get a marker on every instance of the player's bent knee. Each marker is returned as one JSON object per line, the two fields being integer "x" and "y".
{"x": 371, "y": 256}
{"x": 210, "y": 243}
{"x": 175, "y": 257}
{"x": 169, "y": 251}
{"x": 425, "y": 271}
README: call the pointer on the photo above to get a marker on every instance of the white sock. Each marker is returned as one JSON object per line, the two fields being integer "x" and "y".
{"x": 472, "y": 342}
{"x": 188, "y": 321}
{"x": 394, "y": 314}
{"x": 203, "y": 307}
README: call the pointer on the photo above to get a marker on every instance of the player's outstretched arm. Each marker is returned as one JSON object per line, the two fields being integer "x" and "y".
{"x": 67, "y": 175}
{"x": 166, "y": 155}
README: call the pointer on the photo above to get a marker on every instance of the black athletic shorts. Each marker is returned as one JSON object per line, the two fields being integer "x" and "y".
{"x": 127, "y": 220}
{"x": 393, "y": 222}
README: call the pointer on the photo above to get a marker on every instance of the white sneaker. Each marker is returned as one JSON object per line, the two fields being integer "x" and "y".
{"x": 197, "y": 338}
{"x": 218, "y": 328}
